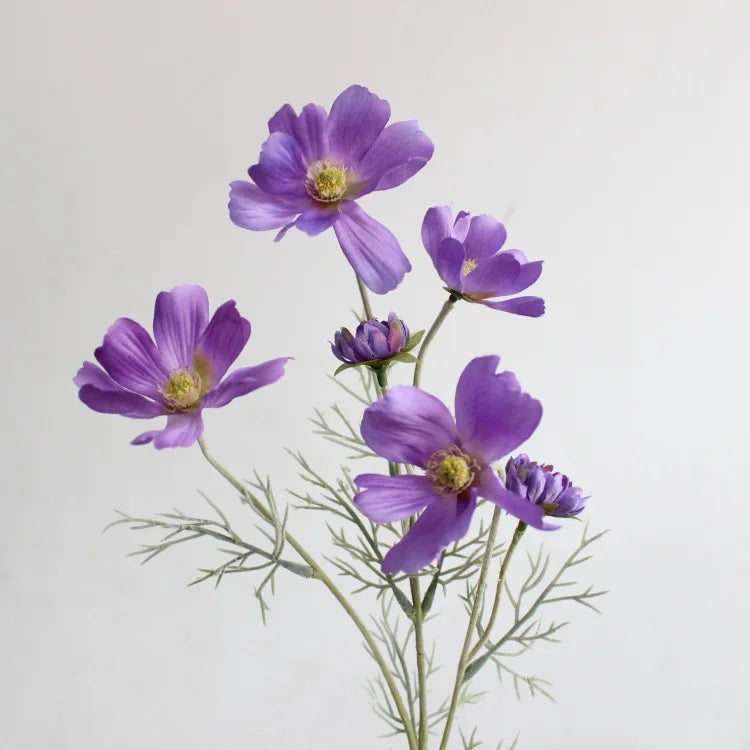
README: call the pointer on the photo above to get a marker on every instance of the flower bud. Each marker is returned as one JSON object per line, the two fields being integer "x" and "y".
{"x": 373, "y": 342}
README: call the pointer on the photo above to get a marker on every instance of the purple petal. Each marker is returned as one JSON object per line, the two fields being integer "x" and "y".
{"x": 221, "y": 343}
{"x": 357, "y": 118}
{"x": 91, "y": 374}
{"x": 436, "y": 226}
{"x": 449, "y": 263}
{"x": 502, "y": 275}
{"x": 180, "y": 317}
{"x": 485, "y": 237}
{"x": 128, "y": 354}
{"x": 532, "y": 307}
{"x": 443, "y": 522}
{"x": 244, "y": 381}
{"x": 182, "y": 430}
{"x": 491, "y": 487}
{"x": 388, "y": 499}
{"x": 317, "y": 219}
{"x": 308, "y": 130}
{"x": 372, "y": 250}
{"x": 281, "y": 169}
{"x": 251, "y": 208}
{"x": 492, "y": 413}
{"x": 408, "y": 426}
{"x": 400, "y": 151}
{"x": 119, "y": 402}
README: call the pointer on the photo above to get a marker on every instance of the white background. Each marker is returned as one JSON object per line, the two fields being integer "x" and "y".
{"x": 614, "y": 135}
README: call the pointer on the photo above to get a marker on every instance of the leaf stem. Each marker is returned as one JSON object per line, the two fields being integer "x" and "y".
{"x": 365, "y": 297}
{"x": 434, "y": 328}
{"x": 473, "y": 617}
{"x": 320, "y": 574}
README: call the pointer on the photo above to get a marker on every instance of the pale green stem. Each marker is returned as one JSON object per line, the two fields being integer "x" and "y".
{"x": 320, "y": 574}
{"x": 473, "y": 618}
{"x": 365, "y": 298}
{"x": 434, "y": 328}
{"x": 517, "y": 534}
{"x": 417, "y": 617}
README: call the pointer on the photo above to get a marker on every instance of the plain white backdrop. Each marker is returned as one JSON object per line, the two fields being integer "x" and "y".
{"x": 612, "y": 136}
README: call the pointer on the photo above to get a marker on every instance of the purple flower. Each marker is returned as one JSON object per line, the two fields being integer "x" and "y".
{"x": 466, "y": 254}
{"x": 374, "y": 343}
{"x": 541, "y": 485}
{"x": 315, "y": 165}
{"x": 179, "y": 376}
{"x": 493, "y": 417}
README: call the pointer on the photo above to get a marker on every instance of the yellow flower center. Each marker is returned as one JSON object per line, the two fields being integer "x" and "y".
{"x": 326, "y": 182}
{"x": 183, "y": 389}
{"x": 469, "y": 266}
{"x": 452, "y": 470}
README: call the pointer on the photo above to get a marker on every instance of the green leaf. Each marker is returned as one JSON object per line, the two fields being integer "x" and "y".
{"x": 414, "y": 339}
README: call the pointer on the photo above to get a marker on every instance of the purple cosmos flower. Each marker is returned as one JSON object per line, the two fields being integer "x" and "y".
{"x": 315, "y": 165}
{"x": 179, "y": 376}
{"x": 493, "y": 417}
{"x": 466, "y": 254}
{"x": 541, "y": 485}
{"x": 374, "y": 342}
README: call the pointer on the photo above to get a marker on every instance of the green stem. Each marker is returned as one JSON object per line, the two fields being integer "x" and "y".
{"x": 434, "y": 328}
{"x": 473, "y": 618}
{"x": 320, "y": 574}
{"x": 517, "y": 534}
{"x": 418, "y": 620}
{"x": 365, "y": 298}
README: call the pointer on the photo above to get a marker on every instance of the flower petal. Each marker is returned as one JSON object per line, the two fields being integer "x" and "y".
{"x": 128, "y": 354}
{"x": 387, "y": 499}
{"x": 251, "y": 208}
{"x": 408, "y": 426}
{"x": 91, "y": 374}
{"x": 120, "y": 402}
{"x": 532, "y": 307}
{"x": 501, "y": 275}
{"x": 221, "y": 343}
{"x": 491, "y": 487}
{"x": 372, "y": 250}
{"x": 357, "y": 118}
{"x": 443, "y": 522}
{"x": 436, "y": 226}
{"x": 485, "y": 237}
{"x": 492, "y": 413}
{"x": 399, "y": 152}
{"x": 182, "y": 430}
{"x": 281, "y": 169}
{"x": 244, "y": 381}
{"x": 449, "y": 263}
{"x": 308, "y": 129}
{"x": 180, "y": 317}
{"x": 316, "y": 220}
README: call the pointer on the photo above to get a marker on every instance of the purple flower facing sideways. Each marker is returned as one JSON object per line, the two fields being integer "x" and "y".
{"x": 373, "y": 341}
{"x": 315, "y": 165}
{"x": 541, "y": 485}
{"x": 181, "y": 374}
{"x": 466, "y": 253}
{"x": 493, "y": 417}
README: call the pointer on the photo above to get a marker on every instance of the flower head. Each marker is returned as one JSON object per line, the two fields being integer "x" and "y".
{"x": 374, "y": 343}
{"x": 181, "y": 374}
{"x": 493, "y": 417}
{"x": 466, "y": 252}
{"x": 316, "y": 164}
{"x": 541, "y": 485}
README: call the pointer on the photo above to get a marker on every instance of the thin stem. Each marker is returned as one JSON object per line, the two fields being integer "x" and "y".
{"x": 365, "y": 298}
{"x": 473, "y": 617}
{"x": 418, "y": 620}
{"x": 517, "y": 534}
{"x": 320, "y": 574}
{"x": 441, "y": 316}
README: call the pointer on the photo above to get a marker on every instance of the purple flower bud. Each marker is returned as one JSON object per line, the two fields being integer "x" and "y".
{"x": 542, "y": 486}
{"x": 373, "y": 341}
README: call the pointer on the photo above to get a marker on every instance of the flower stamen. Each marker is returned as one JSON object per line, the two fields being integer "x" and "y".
{"x": 452, "y": 471}
{"x": 469, "y": 266}
{"x": 326, "y": 182}
{"x": 183, "y": 389}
